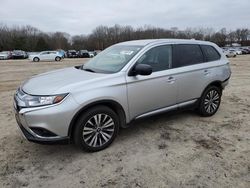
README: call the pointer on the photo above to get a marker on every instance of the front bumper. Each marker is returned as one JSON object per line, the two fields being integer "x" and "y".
{"x": 225, "y": 83}
{"x": 41, "y": 140}
{"x": 47, "y": 124}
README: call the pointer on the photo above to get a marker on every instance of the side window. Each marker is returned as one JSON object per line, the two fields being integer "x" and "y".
{"x": 210, "y": 53}
{"x": 186, "y": 54}
{"x": 159, "y": 58}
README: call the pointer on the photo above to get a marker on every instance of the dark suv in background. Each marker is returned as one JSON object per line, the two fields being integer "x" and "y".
{"x": 19, "y": 54}
{"x": 71, "y": 53}
{"x": 83, "y": 54}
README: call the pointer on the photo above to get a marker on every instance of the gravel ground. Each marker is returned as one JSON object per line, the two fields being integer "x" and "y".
{"x": 170, "y": 150}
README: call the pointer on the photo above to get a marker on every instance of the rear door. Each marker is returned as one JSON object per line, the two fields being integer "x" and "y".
{"x": 188, "y": 65}
{"x": 52, "y": 55}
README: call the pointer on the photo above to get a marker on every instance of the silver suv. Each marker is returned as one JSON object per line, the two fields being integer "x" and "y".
{"x": 88, "y": 104}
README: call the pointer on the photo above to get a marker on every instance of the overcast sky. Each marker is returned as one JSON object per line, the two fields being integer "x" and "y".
{"x": 81, "y": 16}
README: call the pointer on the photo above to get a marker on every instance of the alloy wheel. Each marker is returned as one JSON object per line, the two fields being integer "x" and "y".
{"x": 98, "y": 130}
{"x": 211, "y": 102}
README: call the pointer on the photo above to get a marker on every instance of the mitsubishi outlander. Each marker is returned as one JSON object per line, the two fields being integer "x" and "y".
{"x": 88, "y": 104}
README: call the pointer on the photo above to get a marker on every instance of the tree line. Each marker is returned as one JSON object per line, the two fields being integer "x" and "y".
{"x": 29, "y": 38}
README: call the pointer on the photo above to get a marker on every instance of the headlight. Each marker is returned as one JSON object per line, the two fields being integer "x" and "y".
{"x": 33, "y": 101}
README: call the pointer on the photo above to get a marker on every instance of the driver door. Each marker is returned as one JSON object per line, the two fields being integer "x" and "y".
{"x": 44, "y": 56}
{"x": 155, "y": 91}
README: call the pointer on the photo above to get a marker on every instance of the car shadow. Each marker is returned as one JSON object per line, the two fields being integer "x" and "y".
{"x": 154, "y": 122}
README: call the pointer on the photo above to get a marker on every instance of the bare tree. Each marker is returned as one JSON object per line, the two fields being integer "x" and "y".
{"x": 31, "y": 39}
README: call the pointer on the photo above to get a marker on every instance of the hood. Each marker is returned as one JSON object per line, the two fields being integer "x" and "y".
{"x": 48, "y": 83}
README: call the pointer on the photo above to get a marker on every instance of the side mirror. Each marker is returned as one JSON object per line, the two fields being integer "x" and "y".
{"x": 141, "y": 69}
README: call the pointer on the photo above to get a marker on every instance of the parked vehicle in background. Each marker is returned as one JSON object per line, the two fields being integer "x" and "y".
{"x": 32, "y": 53}
{"x": 233, "y": 51}
{"x": 19, "y": 54}
{"x": 229, "y": 53}
{"x": 83, "y": 54}
{"x": 71, "y": 54}
{"x": 5, "y": 55}
{"x": 62, "y": 52}
{"x": 88, "y": 104}
{"x": 46, "y": 56}
{"x": 245, "y": 51}
{"x": 96, "y": 52}
{"x": 238, "y": 51}
{"x": 91, "y": 54}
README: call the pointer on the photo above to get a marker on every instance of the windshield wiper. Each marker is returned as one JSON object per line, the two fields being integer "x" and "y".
{"x": 89, "y": 70}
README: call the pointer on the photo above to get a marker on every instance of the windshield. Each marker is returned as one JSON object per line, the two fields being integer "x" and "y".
{"x": 112, "y": 60}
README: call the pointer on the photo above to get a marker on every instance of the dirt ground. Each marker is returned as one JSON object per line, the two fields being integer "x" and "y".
{"x": 170, "y": 150}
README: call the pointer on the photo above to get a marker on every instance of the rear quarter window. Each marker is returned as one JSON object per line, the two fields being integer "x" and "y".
{"x": 210, "y": 53}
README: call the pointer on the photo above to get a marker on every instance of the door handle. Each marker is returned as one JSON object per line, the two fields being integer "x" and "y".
{"x": 206, "y": 72}
{"x": 171, "y": 79}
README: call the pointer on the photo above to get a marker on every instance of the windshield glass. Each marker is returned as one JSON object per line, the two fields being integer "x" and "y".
{"x": 112, "y": 60}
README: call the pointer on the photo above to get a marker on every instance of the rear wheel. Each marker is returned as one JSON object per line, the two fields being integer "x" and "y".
{"x": 210, "y": 101}
{"x": 58, "y": 58}
{"x": 36, "y": 59}
{"x": 96, "y": 128}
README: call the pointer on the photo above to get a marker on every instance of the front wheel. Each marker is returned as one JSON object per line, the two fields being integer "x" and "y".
{"x": 210, "y": 101}
{"x": 96, "y": 128}
{"x": 58, "y": 58}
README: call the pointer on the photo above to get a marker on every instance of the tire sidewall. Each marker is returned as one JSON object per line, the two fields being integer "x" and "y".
{"x": 36, "y": 59}
{"x": 58, "y": 59}
{"x": 202, "y": 109}
{"x": 78, "y": 138}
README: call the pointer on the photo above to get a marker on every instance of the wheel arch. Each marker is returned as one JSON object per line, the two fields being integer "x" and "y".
{"x": 58, "y": 57}
{"x": 36, "y": 57}
{"x": 115, "y": 106}
{"x": 216, "y": 83}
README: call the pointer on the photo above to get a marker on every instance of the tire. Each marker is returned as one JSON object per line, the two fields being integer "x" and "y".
{"x": 90, "y": 136}
{"x": 36, "y": 59}
{"x": 58, "y": 58}
{"x": 210, "y": 101}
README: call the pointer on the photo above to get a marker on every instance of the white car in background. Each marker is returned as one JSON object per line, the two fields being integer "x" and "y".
{"x": 46, "y": 56}
{"x": 5, "y": 55}
{"x": 91, "y": 54}
{"x": 238, "y": 51}
{"x": 230, "y": 53}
